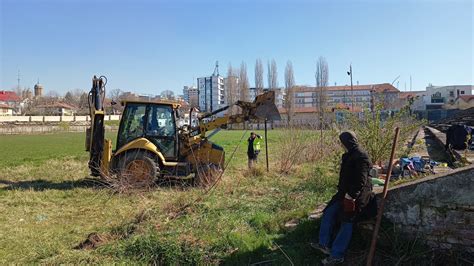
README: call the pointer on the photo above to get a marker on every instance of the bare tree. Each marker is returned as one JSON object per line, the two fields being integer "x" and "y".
{"x": 52, "y": 94}
{"x": 259, "y": 76}
{"x": 289, "y": 85}
{"x": 272, "y": 75}
{"x": 72, "y": 97}
{"x": 322, "y": 76}
{"x": 69, "y": 98}
{"x": 243, "y": 85}
{"x": 243, "y": 82}
{"x": 231, "y": 88}
{"x": 115, "y": 94}
{"x": 167, "y": 94}
{"x": 83, "y": 103}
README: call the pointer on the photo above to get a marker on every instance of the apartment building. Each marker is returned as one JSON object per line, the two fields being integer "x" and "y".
{"x": 191, "y": 95}
{"x": 211, "y": 93}
{"x": 360, "y": 97}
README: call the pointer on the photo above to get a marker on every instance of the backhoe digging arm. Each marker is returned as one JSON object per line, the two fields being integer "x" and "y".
{"x": 95, "y": 135}
{"x": 262, "y": 108}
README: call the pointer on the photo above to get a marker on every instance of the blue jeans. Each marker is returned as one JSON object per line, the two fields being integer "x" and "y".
{"x": 344, "y": 234}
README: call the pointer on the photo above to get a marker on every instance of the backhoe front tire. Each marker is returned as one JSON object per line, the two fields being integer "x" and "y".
{"x": 138, "y": 169}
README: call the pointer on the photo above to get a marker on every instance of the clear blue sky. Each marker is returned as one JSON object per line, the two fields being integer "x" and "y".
{"x": 150, "y": 46}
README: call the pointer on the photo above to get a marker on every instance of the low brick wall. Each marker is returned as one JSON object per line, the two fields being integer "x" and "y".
{"x": 437, "y": 209}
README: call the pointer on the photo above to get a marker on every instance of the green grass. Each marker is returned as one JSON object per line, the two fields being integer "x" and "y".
{"x": 115, "y": 123}
{"x": 48, "y": 207}
{"x": 37, "y": 149}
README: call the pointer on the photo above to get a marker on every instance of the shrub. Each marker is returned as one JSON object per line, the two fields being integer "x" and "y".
{"x": 375, "y": 131}
{"x": 298, "y": 146}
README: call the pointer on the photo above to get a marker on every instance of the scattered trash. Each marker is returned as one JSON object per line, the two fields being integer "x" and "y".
{"x": 416, "y": 165}
{"x": 41, "y": 217}
{"x": 378, "y": 181}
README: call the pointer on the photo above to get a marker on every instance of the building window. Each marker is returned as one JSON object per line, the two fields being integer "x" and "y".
{"x": 462, "y": 92}
{"x": 451, "y": 94}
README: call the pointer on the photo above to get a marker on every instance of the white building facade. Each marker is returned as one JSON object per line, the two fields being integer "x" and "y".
{"x": 438, "y": 96}
{"x": 211, "y": 93}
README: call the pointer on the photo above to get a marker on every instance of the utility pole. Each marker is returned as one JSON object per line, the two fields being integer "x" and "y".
{"x": 352, "y": 89}
{"x": 266, "y": 143}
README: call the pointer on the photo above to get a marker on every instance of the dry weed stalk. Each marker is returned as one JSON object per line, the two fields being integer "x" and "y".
{"x": 302, "y": 145}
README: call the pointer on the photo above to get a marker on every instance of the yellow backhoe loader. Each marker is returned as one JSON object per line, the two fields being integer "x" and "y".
{"x": 151, "y": 146}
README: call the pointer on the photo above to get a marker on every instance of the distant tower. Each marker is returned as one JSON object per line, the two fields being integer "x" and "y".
{"x": 18, "y": 86}
{"x": 38, "y": 90}
{"x": 216, "y": 69}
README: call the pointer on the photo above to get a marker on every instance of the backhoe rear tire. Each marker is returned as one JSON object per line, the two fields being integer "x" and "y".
{"x": 138, "y": 169}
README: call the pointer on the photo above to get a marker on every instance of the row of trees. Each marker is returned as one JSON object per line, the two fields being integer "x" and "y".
{"x": 237, "y": 84}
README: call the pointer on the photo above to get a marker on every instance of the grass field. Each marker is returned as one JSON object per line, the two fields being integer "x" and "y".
{"x": 37, "y": 149}
{"x": 48, "y": 208}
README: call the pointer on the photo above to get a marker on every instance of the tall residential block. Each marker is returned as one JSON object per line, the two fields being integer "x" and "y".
{"x": 211, "y": 93}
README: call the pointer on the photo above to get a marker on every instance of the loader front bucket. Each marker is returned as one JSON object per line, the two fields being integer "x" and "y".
{"x": 265, "y": 107}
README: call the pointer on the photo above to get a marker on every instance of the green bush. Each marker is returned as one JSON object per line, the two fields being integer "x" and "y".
{"x": 375, "y": 131}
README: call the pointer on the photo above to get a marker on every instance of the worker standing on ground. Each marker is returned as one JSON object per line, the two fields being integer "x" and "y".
{"x": 253, "y": 149}
{"x": 350, "y": 204}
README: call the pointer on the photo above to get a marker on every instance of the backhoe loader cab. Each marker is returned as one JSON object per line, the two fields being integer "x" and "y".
{"x": 156, "y": 122}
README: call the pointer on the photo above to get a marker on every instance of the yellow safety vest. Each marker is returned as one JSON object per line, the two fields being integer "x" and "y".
{"x": 256, "y": 143}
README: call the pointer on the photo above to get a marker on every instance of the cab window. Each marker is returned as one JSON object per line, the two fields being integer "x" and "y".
{"x": 133, "y": 122}
{"x": 161, "y": 129}
{"x": 161, "y": 121}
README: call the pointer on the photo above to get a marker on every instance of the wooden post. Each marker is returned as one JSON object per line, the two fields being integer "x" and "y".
{"x": 370, "y": 257}
{"x": 266, "y": 144}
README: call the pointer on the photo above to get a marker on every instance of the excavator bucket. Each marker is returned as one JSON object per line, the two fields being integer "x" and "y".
{"x": 265, "y": 107}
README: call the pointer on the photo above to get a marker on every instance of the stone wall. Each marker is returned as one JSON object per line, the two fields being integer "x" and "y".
{"x": 437, "y": 209}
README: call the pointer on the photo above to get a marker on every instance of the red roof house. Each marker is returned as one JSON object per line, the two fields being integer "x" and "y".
{"x": 9, "y": 97}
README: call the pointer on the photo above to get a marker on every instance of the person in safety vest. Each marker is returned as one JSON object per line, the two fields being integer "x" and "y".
{"x": 253, "y": 149}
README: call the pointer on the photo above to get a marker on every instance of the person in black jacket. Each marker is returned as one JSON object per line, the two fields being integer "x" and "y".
{"x": 349, "y": 204}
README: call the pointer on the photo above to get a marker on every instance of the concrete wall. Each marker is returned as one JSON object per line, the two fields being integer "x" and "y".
{"x": 52, "y": 118}
{"x": 38, "y": 129}
{"x": 437, "y": 209}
